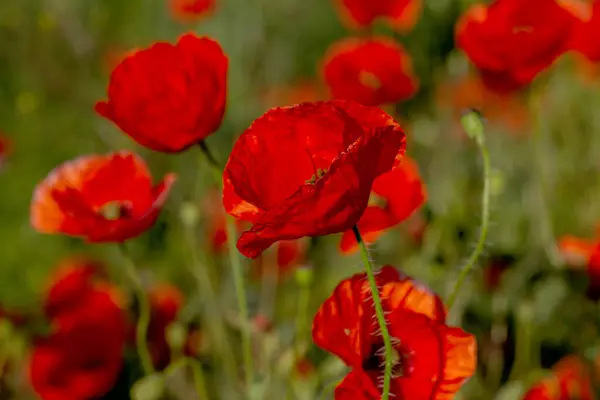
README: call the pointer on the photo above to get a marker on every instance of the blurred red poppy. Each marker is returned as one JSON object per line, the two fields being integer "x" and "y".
{"x": 298, "y": 92}
{"x": 432, "y": 360}
{"x": 469, "y": 92}
{"x": 169, "y": 97}
{"x": 401, "y": 15}
{"x": 512, "y": 41}
{"x": 372, "y": 71}
{"x": 394, "y": 197}
{"x": 307, "y": 170}
{"x": 102, "y": 198}
{"x": 587, "y": 34}
{"x": 570, "y": 380}
{"x": 165, "y": 302}
{"x": 5, "y": 149}
{"x": 82, "y": 357}
{"x": 583, "y": 254}
{"x": 191, "y": 10}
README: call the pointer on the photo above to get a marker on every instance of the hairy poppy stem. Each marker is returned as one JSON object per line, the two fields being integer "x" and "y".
{"x": 196, "y": 367}
{"x": 212, "y": 312}
{"x": 473, "y": 125}
{"x": 385, "y": 334}
{"x": 240, "y": 290}
{"x": 141, "y": 328}
{"x": 238, "y": 275}
{"x": 546, "y": 228}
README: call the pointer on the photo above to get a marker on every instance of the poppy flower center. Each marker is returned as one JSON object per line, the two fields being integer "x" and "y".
{"x": 522, "y": 29}
{"x": 116, "y": 210}
{"x": 369, "y": 80}
{"x": 318, "y": 175}
{"x": 377, "y": 201}
{"x": 401, "y": 363}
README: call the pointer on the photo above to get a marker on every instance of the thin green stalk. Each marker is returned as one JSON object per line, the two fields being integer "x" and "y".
{"x": 214, "y": 317}
{"x": 385, "y": 334}
{"x": 199, "y": 379}
{"x": 304, "y": 280}
{"x": 330, "y": 387}
{"x": 240, "y": 291}
{"x": 473, "y": 125}
{"x": 546, "y": 229}
{"x": 236, "y": 269}
{"x": 143, "y": 321}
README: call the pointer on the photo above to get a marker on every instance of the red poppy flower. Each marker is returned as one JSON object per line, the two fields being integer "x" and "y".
{"x": 394, "y": 197}
{"x": 191, "y": 10}
{"x": 469, "y": 92}
{"x": 165, "y": 303}
{"x": 570, "y": 380}
{"x": 433, "y": 360}
{"x": 307, "y": 170}
{"x": 587, "y": 33}
{"x": 82, "y": 357}
{"x": 583, "y": 254}
{"x": 401, "y": 15}
{"x": 372, "y": 72}
{"x": 512, "y": 41}
{"x": 169, "y": 97}
{"x": 102, "y": 198}
{"x": 302, "y": 91}
{"x": 5, "y": 149}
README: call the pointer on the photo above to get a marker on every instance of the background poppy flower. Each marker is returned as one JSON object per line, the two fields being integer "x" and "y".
{"x": 469, "y": 92}
{"x": 433, "y": 360}
{"x": 307, "y": 170}
{"x": 570, "y": 380}
{"x": 82, "y": 357}
{"x": 587, "y": 34}
{"x": 165, "y": 303}
{"x": 372, "y": 72}
{"x": 512, "y": 41}
{"x": 394, "y": 197}
{"x": 190, "y": 10}
{"x": 102, "y": 198}
{"x": 169, "y": 97}
{"x": 583, "y": 255}
{"x": 401, "y": 15}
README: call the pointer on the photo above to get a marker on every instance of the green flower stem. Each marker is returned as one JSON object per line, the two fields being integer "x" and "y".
{"x": 236, "y": 269}
{"x": 143, "y": 321}
{"x": 473, "y": 125}
{"x": 330, "y": 387}
{"x": 304, "y": 281}
{"x": 385, "y": 334}
{"x": 214, "y": 317}
{"x": 240, "y": 290}
{"x": 546, "y": 228}
{"x": 196, "y": 367}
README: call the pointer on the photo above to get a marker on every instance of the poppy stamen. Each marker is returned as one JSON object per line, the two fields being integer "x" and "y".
{"x": 115, "y": 210}
{"x": 369, "y": 80}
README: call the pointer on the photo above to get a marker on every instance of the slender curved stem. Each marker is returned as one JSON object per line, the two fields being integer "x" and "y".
{"x": 385, "y": 334}
{"x": 212, "y": 312}
{"x": 546, "y": 228}
{"x": 330, "y": 387}
{"x": 196, "y": 367}
{"x": 236, "y": 269}
{"x": 302, "y": 316}
{"x": 474, "y": 127}
{"x": 143, "y": 321}
{"x": 240, "y": 290}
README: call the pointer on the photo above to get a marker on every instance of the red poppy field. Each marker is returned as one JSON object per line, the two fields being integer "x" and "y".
{"x": 300, "y": 200}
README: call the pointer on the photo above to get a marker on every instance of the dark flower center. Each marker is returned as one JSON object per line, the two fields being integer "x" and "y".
{"x": 369, "y": 80}
{"x": 318, "y": 175}
{"x": 377, "y": 201}
{"x": 115, "y": 210}
{"x": 375, "y": 362}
